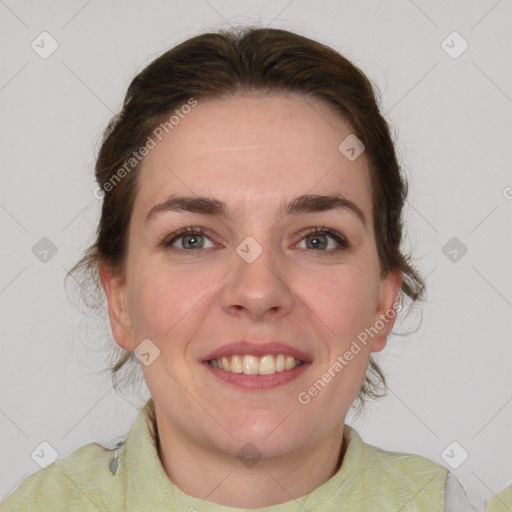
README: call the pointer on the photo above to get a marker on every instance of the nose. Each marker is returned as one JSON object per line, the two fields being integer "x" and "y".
{"x": 258, "y": 288}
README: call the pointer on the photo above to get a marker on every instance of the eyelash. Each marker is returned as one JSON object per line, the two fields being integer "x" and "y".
{"x": 342, "y": 242}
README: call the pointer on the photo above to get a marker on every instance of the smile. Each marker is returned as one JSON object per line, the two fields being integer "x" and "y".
{"x": 253, "y": 365}
{"x": 257, "y": 364}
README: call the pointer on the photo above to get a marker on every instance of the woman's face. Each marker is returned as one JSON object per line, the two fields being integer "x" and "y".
{"x": 255, "y": 278}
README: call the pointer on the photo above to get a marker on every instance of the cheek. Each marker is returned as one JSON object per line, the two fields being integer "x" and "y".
{"x": 162, "y": 299}
{"x": 345, "y": 299}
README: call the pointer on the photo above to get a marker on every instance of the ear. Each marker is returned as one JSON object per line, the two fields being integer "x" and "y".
{"x": 120, "y": 317}
{"x": 387, "y": 309}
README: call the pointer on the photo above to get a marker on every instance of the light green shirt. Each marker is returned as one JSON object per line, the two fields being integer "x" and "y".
{"x": 369, "y": 479}
{"x": 501, "y": 502}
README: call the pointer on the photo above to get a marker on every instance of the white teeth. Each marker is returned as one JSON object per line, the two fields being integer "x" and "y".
{"x": 252, "y": 365}
{"x": 236, "y": 365}
{"x": 267, "y": 365}
{"x": 289, "y": 363}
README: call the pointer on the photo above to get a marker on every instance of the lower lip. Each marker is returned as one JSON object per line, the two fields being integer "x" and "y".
{"x": 258, "y": 382}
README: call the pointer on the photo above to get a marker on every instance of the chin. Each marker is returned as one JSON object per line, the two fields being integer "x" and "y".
{"x": 255, "y": 448}
{"x": 272, "y": 436}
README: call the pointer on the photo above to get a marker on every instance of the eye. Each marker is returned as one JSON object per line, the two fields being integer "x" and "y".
{"x": 193, "y": 235}
{"x": 190, "y": 235}
{"x": 318, "y": 234}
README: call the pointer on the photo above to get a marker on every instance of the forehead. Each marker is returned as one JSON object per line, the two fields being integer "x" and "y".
{"x": 253, "y": 152}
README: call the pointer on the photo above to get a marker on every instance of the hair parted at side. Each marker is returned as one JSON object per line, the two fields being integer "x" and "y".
{"x": 221, "y": 64}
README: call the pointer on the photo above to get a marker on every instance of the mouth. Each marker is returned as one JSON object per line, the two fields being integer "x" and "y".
{"x": 249, "y": 364}
{"x": 257, "y": 366}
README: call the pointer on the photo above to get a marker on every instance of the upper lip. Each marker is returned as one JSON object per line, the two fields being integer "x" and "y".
{"x": 257, "y": 349}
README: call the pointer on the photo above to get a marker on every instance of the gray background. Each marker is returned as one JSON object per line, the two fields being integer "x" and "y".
{"x": 449, "y": 381}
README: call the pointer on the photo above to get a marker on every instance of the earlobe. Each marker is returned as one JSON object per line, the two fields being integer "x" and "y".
{"x": 119, "y": 315}
{"x": 386, "y": 312}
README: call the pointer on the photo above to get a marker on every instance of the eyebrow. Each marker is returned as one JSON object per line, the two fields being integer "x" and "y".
{"x": 215, "y": 207}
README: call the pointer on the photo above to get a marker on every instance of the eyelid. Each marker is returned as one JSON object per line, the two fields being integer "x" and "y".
{"x": 339, "y": 238}
{"x": 186, "y": 231}
{"x": 342, "y": 242}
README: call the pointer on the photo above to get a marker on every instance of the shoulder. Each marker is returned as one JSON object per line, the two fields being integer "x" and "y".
{"x": 80, "y": 481}
{"x": 407, "y": 465}
{"x": 429, "y": 481}
{"x": 400, "y": 479}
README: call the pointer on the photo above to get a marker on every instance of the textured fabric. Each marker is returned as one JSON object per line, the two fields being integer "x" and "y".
{"x": 502, "y": 502}
{"x": 455, "y": 499}
{"x": 369, "y": 479}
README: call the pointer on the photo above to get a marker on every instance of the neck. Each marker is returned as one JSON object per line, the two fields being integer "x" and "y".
{"x": 208, "y": 474}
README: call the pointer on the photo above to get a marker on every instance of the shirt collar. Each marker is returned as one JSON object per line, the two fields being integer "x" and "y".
{"x": 149, "y": 488}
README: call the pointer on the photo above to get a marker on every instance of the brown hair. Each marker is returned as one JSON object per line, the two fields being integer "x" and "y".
{"x": 261, "y": 60}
